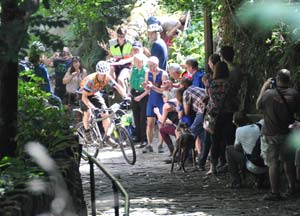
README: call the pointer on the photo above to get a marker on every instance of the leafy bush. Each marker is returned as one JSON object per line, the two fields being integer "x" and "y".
{"x": 189, "y": 44}
{"x": 37, "y": 119}
{"x": 15, "y": 173}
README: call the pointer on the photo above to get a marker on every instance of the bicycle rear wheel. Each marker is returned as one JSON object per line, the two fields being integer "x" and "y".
{"x": 126, "y": 145}
{"x": 91, "y": 148}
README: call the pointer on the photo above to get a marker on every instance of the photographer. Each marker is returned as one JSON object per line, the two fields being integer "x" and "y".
{"x": 278, "y": 103}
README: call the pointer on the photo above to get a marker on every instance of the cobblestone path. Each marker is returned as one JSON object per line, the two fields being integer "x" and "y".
{"x": 154, "y": 191}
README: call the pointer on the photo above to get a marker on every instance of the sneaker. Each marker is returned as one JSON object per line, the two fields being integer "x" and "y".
{"x": 160, "y": 148}
{"x": 147, "y": 149}
{"x": 142, "y": 145}
{"x": 87, "y": 137}
{"x": 272, "y": 197}
{"x": 111, "y": 142}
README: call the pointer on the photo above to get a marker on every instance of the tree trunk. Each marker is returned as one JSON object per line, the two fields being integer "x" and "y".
{"x": 208, "y": 37}
{"x": 250, "y": 53}
{"x": 13, "y": 31}
{"x": 8, "y": 107}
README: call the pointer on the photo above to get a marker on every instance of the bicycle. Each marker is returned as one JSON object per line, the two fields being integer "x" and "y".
{"x": 118, "y": 138}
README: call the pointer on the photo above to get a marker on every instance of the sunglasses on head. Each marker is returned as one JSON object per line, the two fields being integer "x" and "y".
{"x": 76, "y": 58}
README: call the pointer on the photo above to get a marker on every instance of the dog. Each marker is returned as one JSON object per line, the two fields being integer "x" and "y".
{"x": 184, "y": 143}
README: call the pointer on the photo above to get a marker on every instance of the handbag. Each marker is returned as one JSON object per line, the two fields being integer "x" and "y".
{"x": 209, "y": 123}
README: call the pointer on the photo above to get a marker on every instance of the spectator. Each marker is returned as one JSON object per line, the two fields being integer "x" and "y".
{"x": 36, "y": 58}
{"x": 193, "y": 102}
{"x": 139, "y": 97}
{"x": 235, "y": 76}
{"x": 137, "y": 48}
{"x": 177, "y": 75}
{"x": 158, "y": 47}
{"x": 212, "y": 61}
{"x": 168, "y": 120}
{"x": 197, "y": 74}
{"x": 120, "y": 50}
{"x": 61, "y": 63}
{"x": 153, "y": 81}
{"x": 246, "y": 148}
{"x": 172, "y": 33}
{"x": 218, "y": 107}
{"x": 278, "y": 116}
{"x": 72, "y": 79}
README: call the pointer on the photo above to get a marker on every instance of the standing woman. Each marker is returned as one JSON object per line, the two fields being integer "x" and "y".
{"x": 219, "y": 108}
{"x": 75, "y": 74}
{"x": 154, "y": 78}
{"x": 139, "y": 97}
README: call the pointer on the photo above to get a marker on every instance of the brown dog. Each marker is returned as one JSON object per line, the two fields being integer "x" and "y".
{"x": 184, "y": 144}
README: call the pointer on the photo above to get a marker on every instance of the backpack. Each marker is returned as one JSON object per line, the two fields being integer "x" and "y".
{"x": 255, "y": 157}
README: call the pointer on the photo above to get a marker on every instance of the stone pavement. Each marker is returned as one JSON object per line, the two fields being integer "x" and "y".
{"x": 154, "y": 191}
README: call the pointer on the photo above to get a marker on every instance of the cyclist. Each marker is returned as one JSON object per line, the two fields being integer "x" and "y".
{"x": 91, "y": 97}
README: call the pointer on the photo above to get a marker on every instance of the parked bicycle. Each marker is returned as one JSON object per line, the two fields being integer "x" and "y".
{"x": 119, "y": 136}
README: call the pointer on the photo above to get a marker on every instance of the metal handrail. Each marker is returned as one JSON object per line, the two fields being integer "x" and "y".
{"x": 115, "y": 184}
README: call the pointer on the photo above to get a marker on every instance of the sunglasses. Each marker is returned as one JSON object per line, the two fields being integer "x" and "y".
{"x": 76, "y": 58}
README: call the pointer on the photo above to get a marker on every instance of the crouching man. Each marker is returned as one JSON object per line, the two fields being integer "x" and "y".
{"x": 245, "y": 153}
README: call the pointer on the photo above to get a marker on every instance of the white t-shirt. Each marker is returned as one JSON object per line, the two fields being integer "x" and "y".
{"x": 247, "y": 136}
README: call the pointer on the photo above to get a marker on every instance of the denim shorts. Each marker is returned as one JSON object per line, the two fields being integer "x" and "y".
{"x": 197, "y": 126}
{"x": 275, "y": 149}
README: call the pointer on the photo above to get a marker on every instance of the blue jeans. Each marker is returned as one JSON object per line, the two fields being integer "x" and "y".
{"x": 197, "y": 128}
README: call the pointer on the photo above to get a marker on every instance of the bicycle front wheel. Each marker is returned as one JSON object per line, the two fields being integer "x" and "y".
{"x": 91, "y": 146}
{"x": 126, "y": 145}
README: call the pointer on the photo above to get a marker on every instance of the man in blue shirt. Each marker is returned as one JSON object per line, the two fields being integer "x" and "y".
{"x": 159, "y": 47}
{"x": 192, "y": 67}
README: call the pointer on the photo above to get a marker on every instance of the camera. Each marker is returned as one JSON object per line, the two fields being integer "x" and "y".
{"x": 273, "y": 83}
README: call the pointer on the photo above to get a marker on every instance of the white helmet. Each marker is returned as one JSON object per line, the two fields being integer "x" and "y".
{"x": 102, "y": 67}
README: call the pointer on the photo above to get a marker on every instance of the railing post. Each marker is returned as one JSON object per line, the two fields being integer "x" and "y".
{"x": 116, "y": 198}
{"x": 92, "y": 184}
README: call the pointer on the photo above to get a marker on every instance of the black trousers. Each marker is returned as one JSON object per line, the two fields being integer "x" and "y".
{"x": 224, "y": 136}
{"x": 139, "y": 115}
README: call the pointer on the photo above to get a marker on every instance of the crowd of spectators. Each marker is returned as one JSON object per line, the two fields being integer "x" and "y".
{"x": 166, "y": 95}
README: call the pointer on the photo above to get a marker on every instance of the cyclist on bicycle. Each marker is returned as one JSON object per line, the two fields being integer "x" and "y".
{"x": 91, "y": 98}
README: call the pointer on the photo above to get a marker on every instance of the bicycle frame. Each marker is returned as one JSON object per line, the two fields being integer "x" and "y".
{"x": 110, "y": 128}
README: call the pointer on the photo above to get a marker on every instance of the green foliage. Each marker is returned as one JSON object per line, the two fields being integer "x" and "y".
{"x": 39, "y": 25}
{"x": 189, "y": 44}
{"x": 14, "y": 173}
{"x": 195, "y": 6}
{"x": 88, "y": 23}
{"x": 37, "y": 119}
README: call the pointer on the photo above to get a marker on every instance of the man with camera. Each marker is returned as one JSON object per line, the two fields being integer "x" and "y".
{"x": 278, "y": 103}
